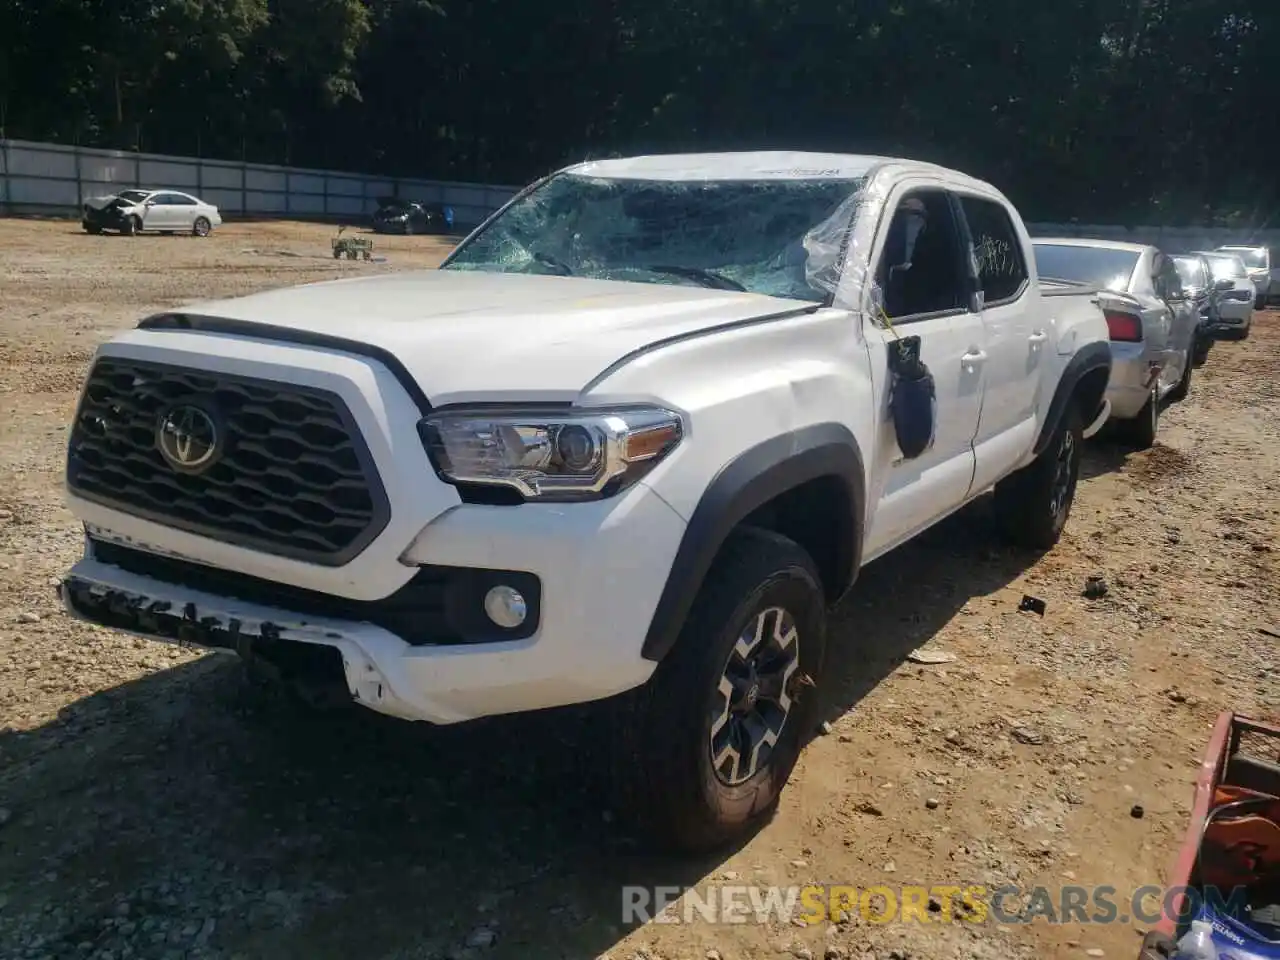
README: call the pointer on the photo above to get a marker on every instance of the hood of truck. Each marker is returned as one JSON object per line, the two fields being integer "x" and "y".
{"x": 467, "y": 336}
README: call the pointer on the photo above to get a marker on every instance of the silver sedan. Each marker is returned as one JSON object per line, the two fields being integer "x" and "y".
{"x": 1235, "y": 311}
{"x": 1151, "y": 318}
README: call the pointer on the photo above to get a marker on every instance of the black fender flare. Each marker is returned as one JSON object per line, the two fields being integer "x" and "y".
{"x": 749, "y": 481}
{"x": 1090, "y": 357}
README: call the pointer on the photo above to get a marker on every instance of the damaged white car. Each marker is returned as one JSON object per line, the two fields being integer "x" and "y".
{"x": 633, "y": 439}
{"x": 132, "y": 212}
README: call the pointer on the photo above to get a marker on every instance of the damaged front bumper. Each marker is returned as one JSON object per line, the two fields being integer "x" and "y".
{"x": 110, "y": 597}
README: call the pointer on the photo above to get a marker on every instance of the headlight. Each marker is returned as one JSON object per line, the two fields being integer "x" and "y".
{"x": 551, "y": 456}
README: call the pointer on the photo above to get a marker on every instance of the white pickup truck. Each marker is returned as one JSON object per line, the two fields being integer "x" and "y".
{"x": 634, "y": 437}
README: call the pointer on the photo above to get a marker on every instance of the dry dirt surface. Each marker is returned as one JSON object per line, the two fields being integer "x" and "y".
{"x": 155, "y": 805}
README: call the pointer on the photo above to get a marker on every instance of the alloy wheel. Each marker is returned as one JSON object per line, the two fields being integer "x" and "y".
{"x": 754, "y": 697}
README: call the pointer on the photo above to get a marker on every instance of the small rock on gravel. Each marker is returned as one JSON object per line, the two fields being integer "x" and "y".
{"x": 28, "y": 616}
{"x": 1028, "y": 736}
{"x": 931, "y": 803}
{"x": 1137, "y": 812}
{"x": 1095, "y": 587}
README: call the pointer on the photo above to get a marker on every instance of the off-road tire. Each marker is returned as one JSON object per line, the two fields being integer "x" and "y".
{"x": 1032, "y": 505}
{"x": 664, "y": 779}
{"x": 1140, "y": 432}
{"x": 1179, "y": 393}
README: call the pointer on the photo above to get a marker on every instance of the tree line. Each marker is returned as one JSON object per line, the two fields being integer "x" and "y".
{"x": 1099, "y": 110}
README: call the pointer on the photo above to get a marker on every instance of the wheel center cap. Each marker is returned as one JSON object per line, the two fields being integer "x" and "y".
{"x": 753, "y": 694}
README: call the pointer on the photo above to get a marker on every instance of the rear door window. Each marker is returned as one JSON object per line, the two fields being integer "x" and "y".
{"x": 997, "y": 251}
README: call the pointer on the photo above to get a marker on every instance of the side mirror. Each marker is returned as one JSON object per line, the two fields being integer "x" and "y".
{"x": 1223, "y": 285}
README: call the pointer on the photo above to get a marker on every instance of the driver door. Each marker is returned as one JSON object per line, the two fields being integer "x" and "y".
{"x": 925, "y": 283}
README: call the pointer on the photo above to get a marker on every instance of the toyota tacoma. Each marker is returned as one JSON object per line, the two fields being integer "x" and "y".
{"x": 631, "y": 441}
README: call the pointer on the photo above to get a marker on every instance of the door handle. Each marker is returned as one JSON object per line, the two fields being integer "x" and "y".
{"x": 1038, "y": 338}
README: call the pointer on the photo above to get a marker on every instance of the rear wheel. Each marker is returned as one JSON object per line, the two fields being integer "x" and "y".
{"x": 703, "y": 750}
{"x": 1179, "y": 393}
{"x": 1201, "y": 354}
{"x": 1033, "y": 504}
{"x": 202, "y": 227}
{"x": 1140, "y": 432}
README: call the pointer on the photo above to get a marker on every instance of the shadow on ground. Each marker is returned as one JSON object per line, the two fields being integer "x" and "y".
{"x": 230, "y": 823}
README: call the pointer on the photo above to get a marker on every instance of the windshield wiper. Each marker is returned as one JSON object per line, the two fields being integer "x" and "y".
{"x": 708, "y": 278}
{"x": 547, "y": 260}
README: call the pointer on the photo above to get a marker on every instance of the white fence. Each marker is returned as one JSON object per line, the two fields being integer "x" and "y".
{"x": 56, "y": 179}
{"x": 48, "y": 178}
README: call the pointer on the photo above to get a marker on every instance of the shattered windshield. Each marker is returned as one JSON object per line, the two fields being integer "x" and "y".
{"x": 783, "y": 238}
{"x": 133, "y": 196}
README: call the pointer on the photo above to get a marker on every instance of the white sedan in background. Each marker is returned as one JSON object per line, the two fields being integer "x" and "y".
{"x": 152, "y": 211}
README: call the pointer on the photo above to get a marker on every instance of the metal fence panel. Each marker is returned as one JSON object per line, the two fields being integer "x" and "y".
{"x": 55, "y": 179}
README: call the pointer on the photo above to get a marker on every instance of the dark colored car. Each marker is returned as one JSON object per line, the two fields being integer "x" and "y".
{"x": 412, "y": 216}
{"x": 1205, "y": 294}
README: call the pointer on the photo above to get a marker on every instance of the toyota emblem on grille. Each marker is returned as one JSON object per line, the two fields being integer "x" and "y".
{"x": 188, "y": 438}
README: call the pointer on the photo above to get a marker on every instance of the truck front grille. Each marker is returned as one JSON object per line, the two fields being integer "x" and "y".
{"x": 289, "y": 474}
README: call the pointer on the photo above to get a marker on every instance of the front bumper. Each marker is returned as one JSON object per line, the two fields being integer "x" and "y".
{"x": 106, "y": 219}
{"x": 1133, "y": 372}
{"x": 1233, "y": 315}
{"x": 596, "y": 596}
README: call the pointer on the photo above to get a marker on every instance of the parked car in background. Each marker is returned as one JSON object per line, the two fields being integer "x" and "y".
{"x": 593, "y": 455}
{"x": 150, "y": 211}
{"x": 1151, "y": 320}
{"x": 1235, "y": 309}
{"x": 412, "y": 216}
{"x": 1205, "y": 294}
{"x": 1257, "y": 261}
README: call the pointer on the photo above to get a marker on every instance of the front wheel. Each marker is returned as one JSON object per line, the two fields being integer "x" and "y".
{"x": 132, "y": 227}
{"x": 1033, "y": 504}
{"x": 703, "y": 750}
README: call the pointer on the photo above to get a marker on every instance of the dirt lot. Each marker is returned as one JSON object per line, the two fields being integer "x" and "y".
{"x": 154, "y": 805}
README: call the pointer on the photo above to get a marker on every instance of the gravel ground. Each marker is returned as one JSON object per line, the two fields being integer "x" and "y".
{"x": 155, "y": 805}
